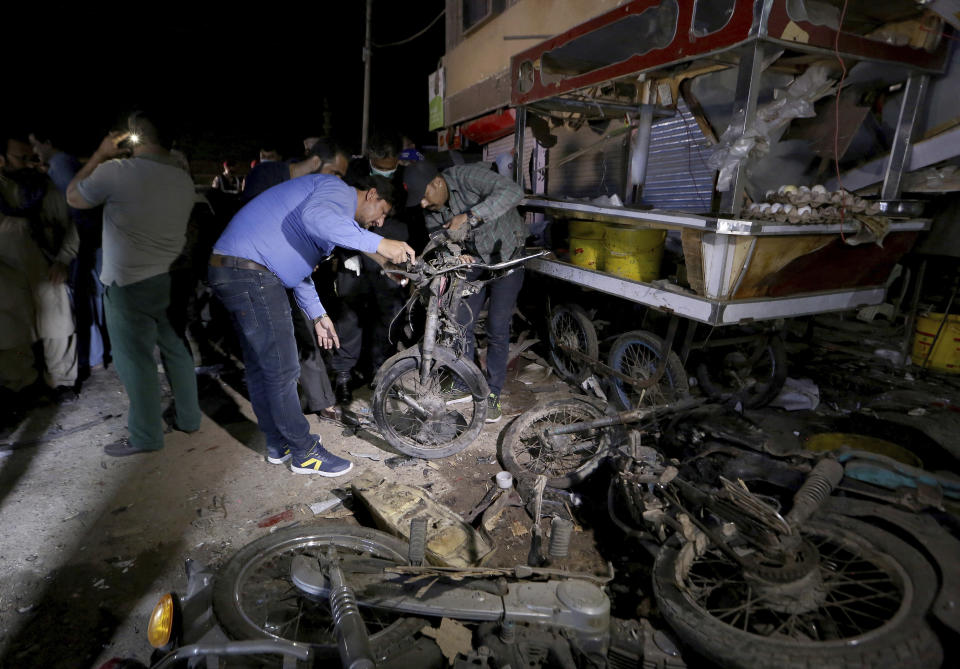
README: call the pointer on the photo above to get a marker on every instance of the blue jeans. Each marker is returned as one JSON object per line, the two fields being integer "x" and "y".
{"x": 503, "y": 298}
{"x": 258, "y": 306}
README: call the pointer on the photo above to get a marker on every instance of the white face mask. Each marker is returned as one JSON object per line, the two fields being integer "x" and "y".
{"x": 383, "y": 173}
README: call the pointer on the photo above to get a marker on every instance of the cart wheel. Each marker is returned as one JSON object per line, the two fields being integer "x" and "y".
{"x": 636, "y": 354}
{"x": 571, "y": 327}
{"x": 753, "y": 372}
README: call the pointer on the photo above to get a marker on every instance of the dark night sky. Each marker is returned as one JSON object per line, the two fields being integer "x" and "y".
{"x": 230, "y": 82}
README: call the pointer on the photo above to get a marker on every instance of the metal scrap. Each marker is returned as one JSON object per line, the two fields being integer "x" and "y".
{"x": 452, "y": 637}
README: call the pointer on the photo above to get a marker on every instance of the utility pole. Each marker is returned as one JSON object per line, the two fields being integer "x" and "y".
{"x": 366, "y": 81}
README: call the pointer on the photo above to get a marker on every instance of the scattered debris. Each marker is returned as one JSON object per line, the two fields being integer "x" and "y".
{"x": 324, "y": 505}
{"x": 452, "y": 637}
{"x": 518, "y": 529}
{"x": 492, "y": 514}
{"x": 369, "y": 456}
{"x": 798, "y": 395}
{"x": 401, "y": 461}
{"x": 450, "y": 541}
{"x": 482, "y": 505}
{"x": 534, "y": 374}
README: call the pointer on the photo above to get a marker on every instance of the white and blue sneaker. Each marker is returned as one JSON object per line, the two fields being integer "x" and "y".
{"x": 319, "y": 460}
{"x": 278, "y": 455}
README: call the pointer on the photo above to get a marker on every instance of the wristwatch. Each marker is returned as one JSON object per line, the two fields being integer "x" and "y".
{"x": 473, "y": 220}
{"x": 319, "y": 318}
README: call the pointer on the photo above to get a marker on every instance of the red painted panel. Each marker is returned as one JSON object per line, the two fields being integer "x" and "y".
{"x": 490, "y": 127}
{"x": 683, "y": 47}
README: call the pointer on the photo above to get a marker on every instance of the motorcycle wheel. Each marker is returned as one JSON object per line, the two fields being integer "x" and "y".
{"x": 875, "y": 593}
{"x": 452, "y": 425}
{"x": 564, "y": 459}
{"x": 570, "y": 326}
{"x": 254, "y": 598}
{"x": 636, "y": 354}
{"x": 754, "y": 372}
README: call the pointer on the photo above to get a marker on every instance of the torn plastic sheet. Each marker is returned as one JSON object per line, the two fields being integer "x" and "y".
{"x": 770, "y": 122}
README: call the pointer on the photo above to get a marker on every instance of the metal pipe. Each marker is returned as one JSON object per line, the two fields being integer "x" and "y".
{"x": 639, "y": 154}
{"x": 429, "y": 333}
{"x": 744, "y": 113}
{"x": 605, "y": 109}
{"x": 520, "y": 131}
{"x": 254, "y": 647}
{"x": 913, "y": 95}
{"x": 366, "y": 80}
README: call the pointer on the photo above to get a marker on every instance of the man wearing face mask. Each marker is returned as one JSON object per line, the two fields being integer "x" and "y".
{"x": 368, "y": 299}
{"x": 37, "y": 243}
{"x": 273, "y": 244}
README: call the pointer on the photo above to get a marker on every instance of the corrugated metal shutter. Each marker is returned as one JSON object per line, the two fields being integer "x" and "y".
{"x": 504, "y": 145}
{"x": 677, "y": 174}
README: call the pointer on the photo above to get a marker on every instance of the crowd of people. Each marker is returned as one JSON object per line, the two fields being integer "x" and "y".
{"x": 99, "y": 261}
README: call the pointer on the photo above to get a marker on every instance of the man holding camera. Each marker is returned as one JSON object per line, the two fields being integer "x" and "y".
{"x": 147, "y": 202}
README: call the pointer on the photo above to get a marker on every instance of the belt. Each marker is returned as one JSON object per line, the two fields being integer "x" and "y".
{"x": 217, "y": 260}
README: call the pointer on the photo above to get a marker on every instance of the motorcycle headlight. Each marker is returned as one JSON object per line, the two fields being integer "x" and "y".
{"x": 160, "y": 627}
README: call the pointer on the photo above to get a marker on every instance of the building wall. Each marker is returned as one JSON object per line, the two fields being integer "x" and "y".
{"x": 477, "y": 64}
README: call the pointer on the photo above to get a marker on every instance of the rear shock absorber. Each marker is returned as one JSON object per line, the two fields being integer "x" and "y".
{"x": 560, "y": 531}
{"x": 818, "y": 486}
{"x": 353, "y": 641}
{"x": 417, "y": 548}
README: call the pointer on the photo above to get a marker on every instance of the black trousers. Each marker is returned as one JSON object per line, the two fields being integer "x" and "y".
{"x": 367, "y": 307}
{"x": 315, "y": 386}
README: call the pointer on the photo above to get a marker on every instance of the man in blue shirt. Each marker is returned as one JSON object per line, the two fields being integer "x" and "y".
{"x": 274, "y": 243}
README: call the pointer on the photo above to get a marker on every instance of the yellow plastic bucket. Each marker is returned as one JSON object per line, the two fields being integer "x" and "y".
{"x": 834, "y": 441}
{"x": 586, "y": 253}
{"x": 623, "y": 264}
{"x": 633, "y": 253}
{"x": 586, "y": 229}
{"x": 946, "y": 354}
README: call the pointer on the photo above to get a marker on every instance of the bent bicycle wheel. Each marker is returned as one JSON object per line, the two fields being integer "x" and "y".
{"x": 754, "y": 372}
{"x": 859, "y": 602}
{"x": 434, "y": 419}
{"x": 636, "y": 354}
{"x": 571, "y": 328}
{"x": 254, "y": 598}
{"x": 564, "y": 459}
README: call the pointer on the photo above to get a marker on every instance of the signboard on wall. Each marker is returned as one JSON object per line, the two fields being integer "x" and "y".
{"x": 435, "y": 83}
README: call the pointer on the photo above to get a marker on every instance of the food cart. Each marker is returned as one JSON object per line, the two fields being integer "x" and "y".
{"x": 744, "y": 266}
